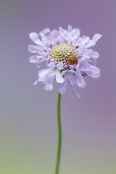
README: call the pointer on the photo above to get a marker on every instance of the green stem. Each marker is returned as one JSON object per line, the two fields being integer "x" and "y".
{"x": 59, "y": 135}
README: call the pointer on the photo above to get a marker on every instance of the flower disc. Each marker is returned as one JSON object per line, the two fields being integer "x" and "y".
{"x": 61, "y": 53}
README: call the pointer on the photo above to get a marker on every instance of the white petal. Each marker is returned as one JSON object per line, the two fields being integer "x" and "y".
{"x": 61, "y": 31}
{"x": 48, "y": 36}
{"x": 54, "y": 34}
{"x": 61, "y": 39}
{"x": 96, "y": 37}
{"x": 35, "y": 83}
{"x": 94, "y": 54}
{"x": 35, "y": 38}
{"x": 46, "y": 41}
{"x": 64, "y": 72}
{"x": 35, "y": 59}
{"x": 48, "y": 82}
{"x": 73, "y": 89}
{"x": 62, "y": 87}
{"x": 42, "y": 33}
{"x": 51, "y": 65}
{"x": 85, "y": 40}
{"x": 59, "y": 77}
{"x": 86, "y": 56}
{"x": 44, "y": 72}
{"x": 92, "y": 60}
{"x": 46, "y": 30}
{"x": 80, "y": 81}
{"x": 77, "y": 31}
{"x": 40, "y": 63}
{"x": 93, "y": 41}
{"x": 35, "y": 49}
{"x": 69, "y": 28}
{"x": 81, "y": 62}
{"x": 75, "y": 37}
{"x": 60, "y": 66}
{"x": 91, "y": 70}
{"x": 77, "y": 41}
{"x": 90, "y": 44}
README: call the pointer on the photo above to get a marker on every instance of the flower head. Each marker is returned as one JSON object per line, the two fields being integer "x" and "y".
{"x": 67, "y": 56}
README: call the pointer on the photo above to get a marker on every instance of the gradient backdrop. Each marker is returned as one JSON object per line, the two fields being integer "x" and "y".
{"x": 28, "y": 114}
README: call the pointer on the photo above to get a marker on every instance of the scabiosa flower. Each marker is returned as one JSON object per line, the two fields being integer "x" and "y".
{"x": 67, "y": 56}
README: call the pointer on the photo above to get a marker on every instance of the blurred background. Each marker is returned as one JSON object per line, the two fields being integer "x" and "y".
{"x": 28, "y": 114}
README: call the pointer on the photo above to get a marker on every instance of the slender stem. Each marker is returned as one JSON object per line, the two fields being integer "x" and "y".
{"x": 59, "y": 135}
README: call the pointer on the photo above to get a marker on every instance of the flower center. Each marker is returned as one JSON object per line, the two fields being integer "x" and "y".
{"x": 67, "y": 54}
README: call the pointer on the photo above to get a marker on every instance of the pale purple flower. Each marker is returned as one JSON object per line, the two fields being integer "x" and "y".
{"x": 67, "y": 56}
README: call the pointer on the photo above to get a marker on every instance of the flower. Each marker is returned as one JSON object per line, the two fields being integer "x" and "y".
{"x": 67, "y": 56}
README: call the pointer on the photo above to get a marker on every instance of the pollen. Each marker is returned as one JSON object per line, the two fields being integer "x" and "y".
{"x": 64, "y": 53}
{"x": 72, "y": 60}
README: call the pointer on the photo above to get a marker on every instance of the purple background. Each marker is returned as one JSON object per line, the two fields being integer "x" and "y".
{"x": 28, "y": 114}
